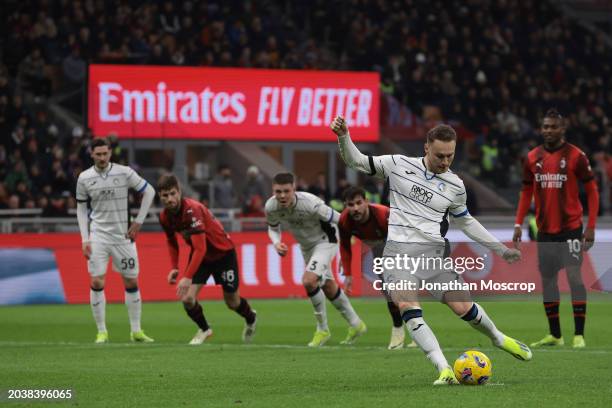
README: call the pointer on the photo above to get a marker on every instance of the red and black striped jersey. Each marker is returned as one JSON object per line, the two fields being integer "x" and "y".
{"x": 554, "y": 175}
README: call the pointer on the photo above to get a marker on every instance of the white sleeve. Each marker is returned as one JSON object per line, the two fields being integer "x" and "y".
{"x": 470, "y": 225}
{"x": 274, "y": 226}
{"x": 474, "y": 230}
{"x": 274, "y": 233}
{"x": 136, "y": 182}
{"x": 376, "y": 166}
{"x": 83, "y": 220}
{"x": 145, "y": 204}
{"x": 81, "y": 191}
{"x": 458, "y": 208}
{"x": 326, "y": 213}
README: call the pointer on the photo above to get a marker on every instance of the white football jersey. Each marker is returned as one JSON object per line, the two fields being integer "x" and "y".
{"x": 419, "y": 199}
{"x": 107, "y": 193}
{"x": 309, "y": 219}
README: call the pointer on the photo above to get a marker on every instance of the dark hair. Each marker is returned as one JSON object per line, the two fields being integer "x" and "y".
{"x": 553, "y": 113}
{"x": 443, "y": 133}
{"x": 353, "y": 192}
{"x": 284, "y": 178}
{"x": 168, "y": 182}
{"x": 100, "y": 141}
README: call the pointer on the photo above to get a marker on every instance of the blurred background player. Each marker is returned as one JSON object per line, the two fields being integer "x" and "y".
{"x": 106, "y": 232}
{"x": 553, "y": 170}
{"x": 369, "y": 223}
{"x": 212, "y": 253}
{"x": 310, "y": 221}
{"x": 423, "y": 190}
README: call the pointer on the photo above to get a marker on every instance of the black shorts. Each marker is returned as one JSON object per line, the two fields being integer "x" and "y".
{"x": 223, "y": 270}
{"x": 556, "y": 251}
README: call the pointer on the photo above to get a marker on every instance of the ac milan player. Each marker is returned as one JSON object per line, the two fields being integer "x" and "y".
{"x": 212, "y": 253}
{"x": 368, "y": 222}
{"x": 552, "y": 171}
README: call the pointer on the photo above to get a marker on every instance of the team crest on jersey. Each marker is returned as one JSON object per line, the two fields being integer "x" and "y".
{"x": 441, "y": 187}
{"x": 115, "y": 181}
{"x": 562, "y": 163}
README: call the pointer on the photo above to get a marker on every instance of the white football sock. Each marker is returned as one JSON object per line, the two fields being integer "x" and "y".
{"x": 134, "y": 307}
{"x": 97, "y": 300}
{"x": 483, "y": 323}
{"x": 424, "y": 338}
{"x": 343, "y": 304}
{"x": 318, "y": 303}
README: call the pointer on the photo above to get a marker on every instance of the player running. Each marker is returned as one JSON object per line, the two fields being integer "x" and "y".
{"x": 422, "y": 191}
{"x": 310, "y": 221}
{"x": 212, "y": 253}
{"x": 106, "y": 232}
{"x": 368, "y": 222}
{"x": 553, "y": 170}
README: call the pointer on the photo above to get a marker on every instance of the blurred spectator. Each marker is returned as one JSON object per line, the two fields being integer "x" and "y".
{"x": 253, "y": 186}
{"x": 320, "y": 188}
{"x": 301, "y": 184}
{"x": 225, "y": 196}
{"x": 32, "y": 72}
{"x": 17, "y": 175}
{"x": 254, "y": 207}
{"x": 13, "y": 202}
{"x": 56, "y": 207}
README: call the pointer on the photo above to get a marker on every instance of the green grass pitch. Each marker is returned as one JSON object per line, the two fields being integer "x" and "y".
{"x": 51, "y": 347}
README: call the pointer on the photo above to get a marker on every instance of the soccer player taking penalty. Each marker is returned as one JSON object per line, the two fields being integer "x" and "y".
{"x": 369, "y": 223}
{"x": 212, "y": 253}
{"x": 552, "y": 171}
{"x": 311, "y": 223}
{"x": 106, "y": 232}
{"x": 422, "y": 191}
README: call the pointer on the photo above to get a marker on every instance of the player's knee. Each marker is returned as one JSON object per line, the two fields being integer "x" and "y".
{"x": 460, "y": 308}
{"x": 310, "y": 281}
{"x": 188, "y": 301}
{"x": 232, "y": 302}
{"x": 97, "y": 282}
{"x": 130, "y": 283}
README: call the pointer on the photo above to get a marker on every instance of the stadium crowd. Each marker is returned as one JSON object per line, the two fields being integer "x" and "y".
{"x": 493, "y": 66}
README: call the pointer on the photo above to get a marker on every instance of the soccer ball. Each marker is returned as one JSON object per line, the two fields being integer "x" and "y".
{"x": 473, "y": 368}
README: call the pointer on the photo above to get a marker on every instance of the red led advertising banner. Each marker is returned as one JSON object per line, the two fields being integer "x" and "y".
{"x": 230, "y": 103}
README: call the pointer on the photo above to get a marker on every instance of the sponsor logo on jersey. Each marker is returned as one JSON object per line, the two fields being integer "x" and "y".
{"x": 441, "y": 187}
{"x": 551, "y": 180}
{"x": 420, "y": 194}
{"x": 195, "y": 222}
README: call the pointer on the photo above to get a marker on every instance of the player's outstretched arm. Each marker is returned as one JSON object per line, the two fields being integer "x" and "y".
{"x": 474, "y": 230}
{"x": 348, "y": 151}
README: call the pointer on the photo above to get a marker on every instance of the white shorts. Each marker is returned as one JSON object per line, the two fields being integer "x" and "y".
{"x": 318, "y": 260}
{"x": 125, "y": 259}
